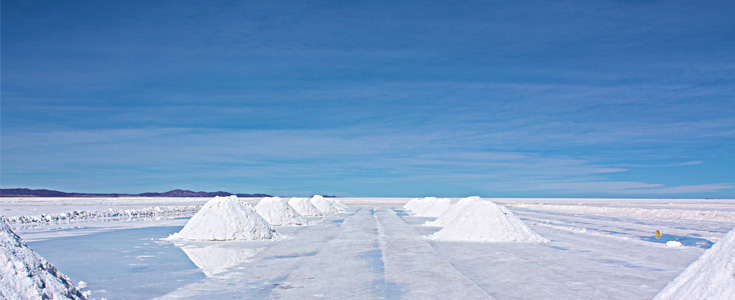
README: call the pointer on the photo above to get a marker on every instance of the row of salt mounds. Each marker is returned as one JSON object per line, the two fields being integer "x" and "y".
{"x": 324, "y": 205}
{"x": 485, "y": 221}
{"x": 305, "y": 207}
{"x": 453, "y": 211}
{"x": 26, "y": 275}
{"x": 278, "y": 212}
{"x": 431, "y": 207}
{"x": 711, "y": 276}
{"x": 225, "y": 219}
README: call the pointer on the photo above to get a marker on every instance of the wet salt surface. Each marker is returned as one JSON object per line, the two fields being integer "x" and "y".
{"x": 122, "y": 264}
{"x": 379, "y": 252}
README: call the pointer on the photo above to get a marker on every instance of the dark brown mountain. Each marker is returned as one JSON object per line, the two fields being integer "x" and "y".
{"x": 175, "y": 193}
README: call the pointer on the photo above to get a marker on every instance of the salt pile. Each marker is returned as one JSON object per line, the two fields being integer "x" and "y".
{"x": 278, "y": 213}
{"x": 453, "y": 211}
{"x": 411, "y": 204}
{"x": 486, "y": 222}
{"x": 323, "y": 205}
{"x": 432, "y": 207}
{"x": 304, "y": 207}
{"x": 26, "y": 275}
{"x": 711, "y": 276}
{"x": 338, "y": 204}
{"x": 224, "y": 219}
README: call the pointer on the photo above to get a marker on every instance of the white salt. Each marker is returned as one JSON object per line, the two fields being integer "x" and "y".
{"x": 712, "y": 276}
{"x": 24, "y": 274}
{"x": 278, "y": 212}
{"x": 224, "y": 219}
{"x": 486, "y": 222}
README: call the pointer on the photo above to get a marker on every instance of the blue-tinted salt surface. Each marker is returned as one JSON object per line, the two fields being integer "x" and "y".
{"x": 122, "y": 264}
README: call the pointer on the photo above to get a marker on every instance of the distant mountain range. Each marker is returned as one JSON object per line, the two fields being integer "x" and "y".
{"x": 174, "y": 193}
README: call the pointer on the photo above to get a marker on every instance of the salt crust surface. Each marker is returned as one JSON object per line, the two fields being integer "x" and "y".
{"x": 711, "y": 276}
{"x": 225, "y": 219}
{"x": 278, "y": 212}
{"x": 453, "y": 211}
{"x": 24, "y": 274}
{"x": 486, "y": 222}
{"x": 304, "y": 207}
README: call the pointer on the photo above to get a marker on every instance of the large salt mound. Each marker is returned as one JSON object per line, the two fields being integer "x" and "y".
{"x": 324, "y": 205}
{"x": 278, "y": 213}
{"x": 432, "y": 207}
{"x": 486, "y": 222}
{"x": 453, "y": 211}
{"x": 712, "y": 276}
{"x": 225, "y": 219}
{"x": 304, "y": 207}
{"x": 26, "y": 275}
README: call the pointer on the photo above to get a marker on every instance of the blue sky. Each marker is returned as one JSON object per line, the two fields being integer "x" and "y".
{"x": 371, "y": 98}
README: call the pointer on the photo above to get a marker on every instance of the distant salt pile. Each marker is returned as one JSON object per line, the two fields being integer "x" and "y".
{"x": 411, "y": 204}
{"x": 325, "y": 206}
{"x": 304, "y": 207}
{"x": 486, "y": 222}
{"x": 432, "y": 207}
{"x": 225, "y": 219}
{"x": 712, "y": 276}
{"x": 337, "y": 204}
{"x": 278, "y": 212}
{"x": 453, "y": 211}
{"x": 26, "y": 275}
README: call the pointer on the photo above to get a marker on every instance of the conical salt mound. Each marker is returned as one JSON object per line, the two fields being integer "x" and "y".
{"x": 324, "y": 205}
{"x": 26, "y": 275}
{"x": 711, "y": 276}
{"x": 486, "y": 222}
{"x": 453, "y": 211}
{"x": 304, "y": 207}
{"x": 432, "y": 207}
{"x": 225, "y": 219}
{"x": 278, "y": 213}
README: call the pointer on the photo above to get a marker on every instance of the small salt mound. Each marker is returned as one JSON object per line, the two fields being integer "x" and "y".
{"x": 26, "y": 275}
{"x": 712, "y": 276}
{"x": 324, "y": 205}
{"x": 433, "y": 207}
{"x": 225, "y": 219}
{"x": 486, "y": 222}
{"x": 304, "y": 207}
{"x": 453, "y": 211}
{"x": 278, "y": 213}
